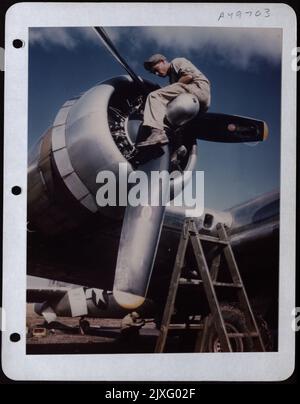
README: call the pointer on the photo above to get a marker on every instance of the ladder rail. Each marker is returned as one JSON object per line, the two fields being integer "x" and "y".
{"x": 179, "y": 262}
{"x": 208, "y": 278}
{"x": 237, "y": 279}
{"x": 214, "y": 306}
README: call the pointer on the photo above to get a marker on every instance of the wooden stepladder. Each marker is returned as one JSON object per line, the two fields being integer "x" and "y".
{"x": 207, "y": 276}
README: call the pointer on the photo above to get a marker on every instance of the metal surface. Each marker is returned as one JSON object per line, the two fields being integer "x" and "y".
{"x": 180, "y": 182}
{"x": 182, "y": 109}
{"x": 217, "y": 127}
{"x": 63, "y": 301}
{"x": 67, "y": 158}
{"x": 139, "y": 240}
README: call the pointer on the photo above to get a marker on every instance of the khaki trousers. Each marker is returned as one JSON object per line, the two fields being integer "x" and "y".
{"x": 157, "y": 101}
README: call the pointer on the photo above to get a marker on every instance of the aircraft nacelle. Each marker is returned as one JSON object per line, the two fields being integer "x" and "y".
{"x": 91, "y": 133}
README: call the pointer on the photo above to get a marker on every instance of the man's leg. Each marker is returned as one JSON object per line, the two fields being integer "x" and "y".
{"x": 156, "y": 104}
{"x": 155, "y": 111}
{"x": 202, "y": 93}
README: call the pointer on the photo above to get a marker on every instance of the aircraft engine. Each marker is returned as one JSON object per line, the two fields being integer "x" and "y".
{"x": 91, "y": 133}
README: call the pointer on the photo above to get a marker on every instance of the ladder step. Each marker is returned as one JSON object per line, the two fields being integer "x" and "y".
{"x": 185, "y": 327}
{"x": 228, "y": 285}
{"x": 185, "y": 281}
{"x": 204, "y": 237}
{"x": 242, "y": 335}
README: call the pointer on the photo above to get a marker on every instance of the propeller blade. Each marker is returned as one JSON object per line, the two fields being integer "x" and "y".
{"x": 139, "y": 241}
{"x": 227, "y": 128}
{"x": 113, "y": 50}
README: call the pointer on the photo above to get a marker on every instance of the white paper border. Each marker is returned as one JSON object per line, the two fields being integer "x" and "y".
{"x": 136, "y": 367}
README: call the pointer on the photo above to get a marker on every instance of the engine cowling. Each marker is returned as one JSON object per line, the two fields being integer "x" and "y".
{"x": 91, "y": 133}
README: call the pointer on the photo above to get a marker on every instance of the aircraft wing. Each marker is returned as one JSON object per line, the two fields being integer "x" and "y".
{"x": 39, "y": 295}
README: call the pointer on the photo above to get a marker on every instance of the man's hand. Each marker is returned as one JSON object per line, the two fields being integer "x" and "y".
{"x": 185, "y": 79}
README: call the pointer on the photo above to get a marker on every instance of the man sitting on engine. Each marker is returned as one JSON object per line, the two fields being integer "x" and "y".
{"x": 184, "y": 77}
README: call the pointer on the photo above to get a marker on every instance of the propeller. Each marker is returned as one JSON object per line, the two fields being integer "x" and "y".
{"x": 217, "y": 127}
{"x": 141, "y": 224}
{"x": 115, "y": 53}
{"x": 140, "y": 237}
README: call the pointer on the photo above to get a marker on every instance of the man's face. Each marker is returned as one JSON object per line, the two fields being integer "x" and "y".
{"x": 160, "y": 68}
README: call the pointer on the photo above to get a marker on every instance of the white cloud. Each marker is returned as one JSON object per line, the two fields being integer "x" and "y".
{"x": 235, "y": 46}
{"x": 52, "y": 36}
{"x": 68, "y": 38}
{"x": 114, "y": 34}
{"x": 238, "y": 47}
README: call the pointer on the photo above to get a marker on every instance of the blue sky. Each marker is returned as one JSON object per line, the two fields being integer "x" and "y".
{"x": 243, "y": 66}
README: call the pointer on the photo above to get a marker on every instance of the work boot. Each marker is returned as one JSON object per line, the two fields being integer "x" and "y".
{"x": 157, "y": 136}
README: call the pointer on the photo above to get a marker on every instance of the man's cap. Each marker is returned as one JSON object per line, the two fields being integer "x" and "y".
{"x": 149, "y": 63}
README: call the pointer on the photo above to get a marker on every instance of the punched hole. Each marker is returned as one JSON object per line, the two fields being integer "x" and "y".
{"x": 15, "y": 337}
{"x": 16, "y": 190}
{"x": 18, "y": 43}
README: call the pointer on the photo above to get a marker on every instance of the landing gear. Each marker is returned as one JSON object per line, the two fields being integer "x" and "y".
{"x": 235, "y": 323}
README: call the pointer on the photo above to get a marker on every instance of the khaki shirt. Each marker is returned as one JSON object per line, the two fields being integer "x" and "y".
{"x": 182, "y": 66}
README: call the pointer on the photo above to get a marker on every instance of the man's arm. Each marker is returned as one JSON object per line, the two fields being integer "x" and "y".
{"x": 185, "y": 79}
{"x": 185, "y": 70}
